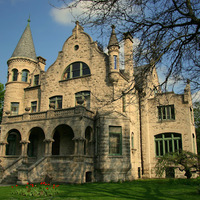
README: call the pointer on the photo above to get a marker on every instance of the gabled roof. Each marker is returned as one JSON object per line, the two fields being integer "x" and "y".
{"x": 25, "y": 47}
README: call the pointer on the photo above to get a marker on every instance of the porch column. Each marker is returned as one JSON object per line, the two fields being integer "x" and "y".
{"x": 75, "y": 145}
{"x": 3, "y": 148}
{"x": 79, "y": 145}
{"x": 24, "y": 148}
{"x": 48, "y": 146}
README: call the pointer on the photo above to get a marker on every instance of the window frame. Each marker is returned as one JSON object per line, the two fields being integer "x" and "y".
{"x": 167, "y": 143}
{"x": 12, "y": 106}
{"x": 119, "y": 144}
{"x": 84, "y": 95}
{"x": 33, "y": 105}
{"x": 25, "y": 74}
{"x": 55, "y": 100}
{"x": 71, "y": 69}
{"x": 36, "y": 81}
{"x": 15, "y": 74}
{"x": 166, "y": 112}
{"x": 115, "y": 61}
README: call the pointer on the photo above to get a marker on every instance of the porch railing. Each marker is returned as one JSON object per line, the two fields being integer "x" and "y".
{"x": 75, "y": 111}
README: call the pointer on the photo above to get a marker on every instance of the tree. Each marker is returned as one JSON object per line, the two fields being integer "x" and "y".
{"x": 185, "y": 161}
{"x": 197, "y": 123}
{"x": 168, "y": 31}
{"x": 2, "y": 91}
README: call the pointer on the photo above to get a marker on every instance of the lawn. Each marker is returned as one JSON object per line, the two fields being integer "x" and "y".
{"x": 158, "y": 189}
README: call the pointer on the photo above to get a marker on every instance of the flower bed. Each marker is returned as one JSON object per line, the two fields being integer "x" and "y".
{"x": 42, "y": 189}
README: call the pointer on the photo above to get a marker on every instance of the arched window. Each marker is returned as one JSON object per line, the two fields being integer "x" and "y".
{"x": 14, "y": 74}
{"x": 76, "y": 69}
{"x": 25, "y": 75}
{"x": 13, "y": 146}
{"x": 167, "y": 143}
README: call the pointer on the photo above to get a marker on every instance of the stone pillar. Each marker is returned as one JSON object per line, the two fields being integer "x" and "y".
{"x": 48, "y": 146}
{"x": 24, "y": 148}
{"x": 3, "y": 148}
{"x": 75, "y": 146}
{"x": 79, "y": 146}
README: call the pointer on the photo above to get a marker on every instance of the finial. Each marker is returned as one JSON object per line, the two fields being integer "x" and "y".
{"x": 113, "y": 26}
{"x": 29, "y": 20}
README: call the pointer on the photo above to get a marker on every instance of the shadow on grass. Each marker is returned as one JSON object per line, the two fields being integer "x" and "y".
{"x": 137, "y": 190}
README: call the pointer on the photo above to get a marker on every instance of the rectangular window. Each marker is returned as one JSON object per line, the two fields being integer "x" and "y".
{"x": 36, "y": 80}
{"x": 56, "y": 101}
{"x": 167, "y": 143}
{"x": 132, "y": 141}
{"x": 166, "y": 112}
{"x": 124, "y": 103}
{"x": 14, "y": 108}
{"x": 115, "y": 62}
{"x": 83, "y": 99}
{"x": 115, "y": 140}
{"x": 34, "y": 106}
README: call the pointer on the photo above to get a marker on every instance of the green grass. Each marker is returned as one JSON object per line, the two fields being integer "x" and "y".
{"x": 158, "y": 189}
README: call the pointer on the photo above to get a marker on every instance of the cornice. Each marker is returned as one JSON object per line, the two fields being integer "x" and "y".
{"x": 21, "y": 59}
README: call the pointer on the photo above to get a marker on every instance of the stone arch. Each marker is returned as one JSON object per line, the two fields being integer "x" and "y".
{"x": 88, "y": 144}
{"x": 63, "y": 140}
{"x": 13, "y": 146}
{"x": 36, "y": 146}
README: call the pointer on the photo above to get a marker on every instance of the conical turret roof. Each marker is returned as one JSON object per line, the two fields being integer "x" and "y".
{"x": 113, "y": 38}
{"x": 25, "y": 47}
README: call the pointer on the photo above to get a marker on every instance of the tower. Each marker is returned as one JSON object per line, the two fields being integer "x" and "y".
{"x": 113, "y": 52}
{"x": 20, "y": 67}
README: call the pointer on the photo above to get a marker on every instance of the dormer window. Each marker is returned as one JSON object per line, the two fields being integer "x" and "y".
{"x": 14, "y": 74}
{"x": 76, "y": 69}
{"x": 25, "y": 75}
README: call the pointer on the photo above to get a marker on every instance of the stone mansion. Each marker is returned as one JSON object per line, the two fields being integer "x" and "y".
{"x": 86, "y": 120}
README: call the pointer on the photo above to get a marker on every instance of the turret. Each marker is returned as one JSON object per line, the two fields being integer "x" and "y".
{"x": 113, "y": 51}
{"x": 20, "y": 67}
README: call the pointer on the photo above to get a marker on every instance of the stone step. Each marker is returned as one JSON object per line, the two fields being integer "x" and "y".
{"x": 11, "y": 179}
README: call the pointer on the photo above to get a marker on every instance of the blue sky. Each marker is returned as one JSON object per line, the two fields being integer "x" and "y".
{"x": 50, "y": 28}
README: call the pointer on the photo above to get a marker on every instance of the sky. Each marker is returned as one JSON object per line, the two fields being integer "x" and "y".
{"x": 50, "y": 28}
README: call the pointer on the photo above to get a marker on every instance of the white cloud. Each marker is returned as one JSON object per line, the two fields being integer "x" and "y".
{"x": 68, "y": 16}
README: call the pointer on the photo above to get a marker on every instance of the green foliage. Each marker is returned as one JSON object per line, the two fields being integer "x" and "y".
{"x": 32, "y": 190}
{"x": 2, "y": 91}
{"x": 185, "y": 161}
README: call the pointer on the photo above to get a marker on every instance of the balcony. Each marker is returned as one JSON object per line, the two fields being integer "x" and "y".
{"x": 61, "y": 113}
